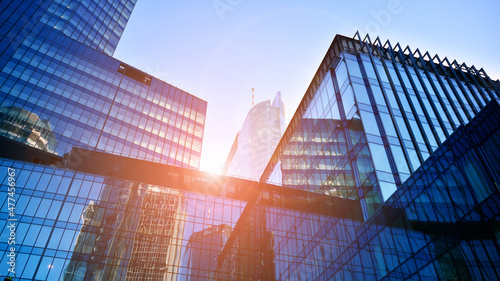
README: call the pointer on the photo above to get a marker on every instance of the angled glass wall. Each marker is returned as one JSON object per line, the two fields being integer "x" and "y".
{"x": 98, "y": 24}
{"x": 441, "y": 224}
{"x": 389, "y": 108}
{"x": 388, "y": 170}
{"x": 88, "y": 99}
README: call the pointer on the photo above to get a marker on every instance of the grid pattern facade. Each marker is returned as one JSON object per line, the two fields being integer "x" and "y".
{"x": 388, "y": 170}
{"x": 199, "y": 262}
{"x": 82, "y": 97}
{"x": 441, "y": 224}
{"x": 98, "y": 24}
{"x": 80, "y": 226}
{"x": 393, "y": 106}
{"x": 257, "y": 139}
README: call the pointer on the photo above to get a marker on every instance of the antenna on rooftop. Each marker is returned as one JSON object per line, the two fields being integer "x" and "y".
{"x": 253, "y": 96}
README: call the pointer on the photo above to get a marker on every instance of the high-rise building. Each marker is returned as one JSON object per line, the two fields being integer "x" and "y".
{"x": 55, "y": 64}
{"x": 255, "y": 142}
{"x": 98, "y": 24}
{"x": 391, "y": 107}
{"x": 388, "y": 170}
{"x": 386, "y": 127}
{"x": 61, "y": 89}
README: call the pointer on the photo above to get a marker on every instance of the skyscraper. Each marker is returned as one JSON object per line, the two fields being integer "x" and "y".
{"x": 364, "y": 131}
{"x": 61, "y": 89}
{"x": 257, "y": 139}
{"x": 55, "y": 64}
{"x": 388, "y": 170}
{"x": 392, "y": 108}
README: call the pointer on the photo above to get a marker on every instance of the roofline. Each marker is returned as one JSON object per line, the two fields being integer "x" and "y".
{"x": 357, "y": 45}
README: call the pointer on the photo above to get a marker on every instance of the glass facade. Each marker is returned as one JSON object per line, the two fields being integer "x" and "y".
{"x": 82, "y": 97}
{"x": 27, "y": 127}
{"x": 79, "y": 226}
{"x": 98, "y": 24}
{"x": 388, "y": 170}
{"x": 441, "y": 224}
{"x": 255, "y": 142}
{"x": 202, "y": 252}
{"x": 372, "y": 115}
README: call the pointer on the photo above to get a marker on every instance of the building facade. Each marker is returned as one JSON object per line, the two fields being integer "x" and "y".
{"x": 392, "y": 107}
{"x": 62, "y": 73}
{"x": 112, "y": 218}
{"x": 60, "y": 89}
{"x": 387, "y": 171}
{"x": 257, "y": 139}
{"x": 441, "y": 224}
{"x": 412, "y": 140}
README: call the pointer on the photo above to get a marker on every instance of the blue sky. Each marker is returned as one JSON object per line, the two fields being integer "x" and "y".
{"x": 219, "y": 50}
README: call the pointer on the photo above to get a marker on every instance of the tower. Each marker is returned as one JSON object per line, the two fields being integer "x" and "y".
{"x": 255, "y": 142}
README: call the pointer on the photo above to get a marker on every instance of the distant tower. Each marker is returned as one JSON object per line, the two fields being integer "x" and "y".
{"x": 255, "y": 142}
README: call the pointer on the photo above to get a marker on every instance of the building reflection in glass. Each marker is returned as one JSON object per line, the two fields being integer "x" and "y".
{"x": 133, "y": 234}
{"x": 249, "y": 253}
{"x": 200, "y": 257}
{"x": 317, "y": 158}
{"x": 26, "y": 127}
